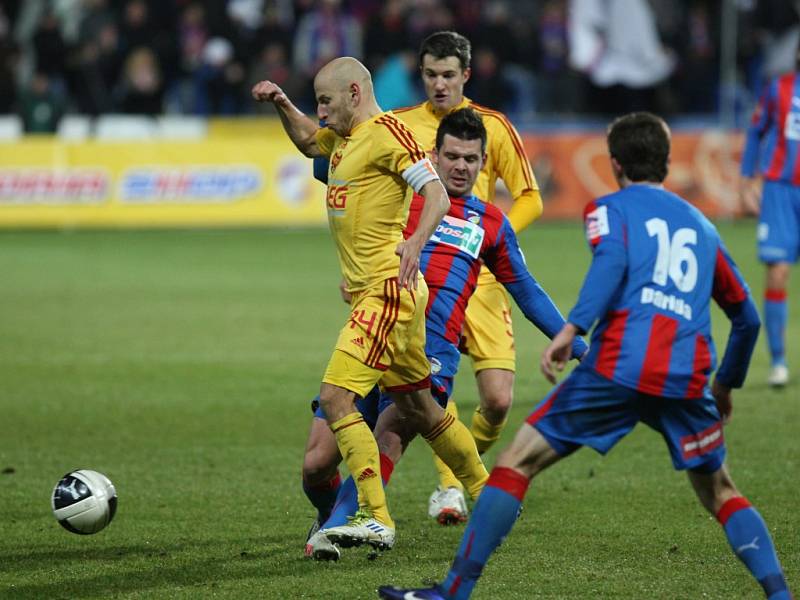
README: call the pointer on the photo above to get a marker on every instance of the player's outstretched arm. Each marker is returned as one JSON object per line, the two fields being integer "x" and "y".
{"x": 300, "y": 128}
{"x": 506, "y": 261}
{"x": 435, "y": 208}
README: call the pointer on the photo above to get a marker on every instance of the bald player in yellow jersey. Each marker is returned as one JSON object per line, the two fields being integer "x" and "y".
{"x": 374, "y": 159}
{"x": 488, "y": 337}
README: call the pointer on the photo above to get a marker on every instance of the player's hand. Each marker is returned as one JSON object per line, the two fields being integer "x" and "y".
{"x": 558, "y": 352}
{"x": 346, "y": 296}
{"x": 722, "y": 394}
{"x": 750, "y": 195}
{"x": 266, "y": 91}
{"x": 409, "y": 252}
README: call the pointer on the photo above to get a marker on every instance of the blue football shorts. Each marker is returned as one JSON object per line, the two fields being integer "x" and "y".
{"x": 587, "y": 409}
{"x": 779, "y": 223}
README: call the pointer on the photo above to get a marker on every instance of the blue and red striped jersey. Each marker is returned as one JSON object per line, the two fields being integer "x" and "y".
{"x": 657, "y": 262}
{"x": 474, "y": 232}
{"x": 772, "y": 145}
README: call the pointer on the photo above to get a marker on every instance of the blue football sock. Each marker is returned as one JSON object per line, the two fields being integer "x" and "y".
{"x": 775, "y": 316}
{"x": 492, "y": 519}
{"x": 346, "y": 505}
{"x": 750, "y": 540}
{"x": 323, "y": 496}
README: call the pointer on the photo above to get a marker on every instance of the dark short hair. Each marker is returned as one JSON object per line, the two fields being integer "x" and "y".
{"x": 640, "y": 144}
{"x": 444, "y": 44}
{"x": 464, "y": 124}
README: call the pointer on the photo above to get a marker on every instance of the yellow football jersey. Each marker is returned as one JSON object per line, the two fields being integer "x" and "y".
{"x": 367, "y": 195}
{"x": 505, "y": 159}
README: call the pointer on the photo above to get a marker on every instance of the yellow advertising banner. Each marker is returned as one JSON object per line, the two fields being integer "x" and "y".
{"x": 247, "y": 173}
{"x": 223, "y": 180}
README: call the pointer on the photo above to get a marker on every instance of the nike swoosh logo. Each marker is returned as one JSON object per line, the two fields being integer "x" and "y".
{"x": 412, "y": 596}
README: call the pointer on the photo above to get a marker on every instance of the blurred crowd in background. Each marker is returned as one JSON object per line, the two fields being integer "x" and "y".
{"x": 543, "y": 57}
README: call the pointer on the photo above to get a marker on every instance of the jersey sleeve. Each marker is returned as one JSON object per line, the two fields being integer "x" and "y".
{"x": 606, "y": 234}
{"x": 762, "y": 118}
{"x": 733, "y": 296}
{"x": 397, "y": 150}
{"x": 514, "y": 169}
{"x": 505, "y": 260}
{"x": 325, "y": 139}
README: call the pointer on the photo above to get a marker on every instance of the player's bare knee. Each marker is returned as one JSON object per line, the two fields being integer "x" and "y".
{"x": 529, "y": 453}
{"x": 336, "y": 402}
{"x": 496, "y": 388}
{"x": 495, "y": 409}
{"x": 778, "y": 275}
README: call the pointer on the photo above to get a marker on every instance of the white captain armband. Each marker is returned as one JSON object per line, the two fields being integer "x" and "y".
{"x": 420, "y": 173}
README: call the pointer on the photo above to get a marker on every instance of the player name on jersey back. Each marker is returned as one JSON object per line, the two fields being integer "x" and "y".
{"x": 666, "y": 302}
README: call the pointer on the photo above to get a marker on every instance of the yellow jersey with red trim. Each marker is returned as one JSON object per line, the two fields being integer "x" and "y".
{"x": 506, "y": 158}
{"x": 369, "y": 175}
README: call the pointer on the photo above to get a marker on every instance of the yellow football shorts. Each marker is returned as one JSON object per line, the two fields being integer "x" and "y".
{"x": 488, "y": 335}
{"x": 383, "y": 341}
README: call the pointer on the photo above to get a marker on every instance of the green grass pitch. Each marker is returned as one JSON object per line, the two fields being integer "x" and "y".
{"x": 181, "y": 364}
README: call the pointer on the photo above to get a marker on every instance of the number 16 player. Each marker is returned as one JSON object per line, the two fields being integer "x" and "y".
{"x": 657, "y": 262}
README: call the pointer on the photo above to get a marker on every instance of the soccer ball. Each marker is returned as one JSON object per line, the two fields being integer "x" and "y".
{"x": 84, "y": 501}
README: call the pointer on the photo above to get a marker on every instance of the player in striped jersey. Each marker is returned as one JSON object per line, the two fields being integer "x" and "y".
{"x": 488, "y": 338}
{"x": 772, "y": 150}
{"x": 657, "y": 263}
{"x": 471, "y": 234}
{"x": 374, "y": 159}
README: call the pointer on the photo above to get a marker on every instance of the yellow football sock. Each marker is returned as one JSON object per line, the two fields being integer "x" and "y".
{"x": 446, "y": 477}
{"x": 360, "y": 452}
{"x": 485, "y": 433}
{"x": 453, "y": 443}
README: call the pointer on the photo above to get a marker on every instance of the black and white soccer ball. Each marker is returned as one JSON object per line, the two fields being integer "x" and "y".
{"x": 84, "y": 501}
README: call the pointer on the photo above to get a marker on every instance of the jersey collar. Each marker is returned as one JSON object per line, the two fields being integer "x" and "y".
{"x": 465, "y": 102}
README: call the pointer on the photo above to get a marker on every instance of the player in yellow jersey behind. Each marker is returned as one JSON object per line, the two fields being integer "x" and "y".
{"x": 444, "y": 62}
{"x": 374, "y": 158}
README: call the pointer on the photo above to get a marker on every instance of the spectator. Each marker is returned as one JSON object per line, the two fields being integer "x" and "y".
{"x": 396, "y": 81}
{"x": 487, "y": 86}
{"x": 778, "y": 26}
{"x": 272, "y": 64}
{"x": 95, "y": 71}
{"x": 557, "y": 87}
{"x": 142, "y": 88}
{"x": 277, "y": 26}
{"x": 386, "y": 34}
{"x": 219, "y": 79}
{"x": 497, "y": 33}
{"x": 9, "y": 58}
{"x": 323, "y": 34}
{"x": 698, "y": 76}
{"x": 192, "y": 36}
{"x": 49, "y": 46}
{"x": 615, "y": 42}
{"x": 40, "y": 106}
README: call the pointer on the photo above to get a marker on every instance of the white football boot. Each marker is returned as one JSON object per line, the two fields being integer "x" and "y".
{"x": 778, "y": 376}
{"x": 362, "y": 529}
{"x": 319, "y": 547}
{"x": 448, "y": 506}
